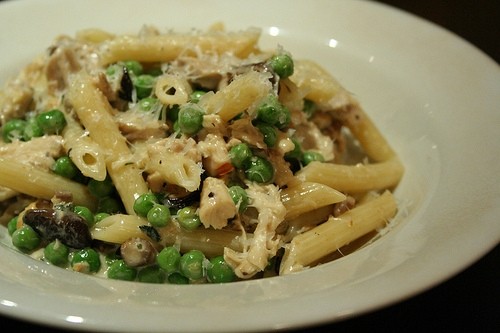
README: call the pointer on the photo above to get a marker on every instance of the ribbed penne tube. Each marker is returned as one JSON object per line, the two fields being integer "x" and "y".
{"x": 306, "y": 221}
{"x": 172, "y": 89}
{"x": 319, "y": 86}
{"x": 303, "y": 197}
{"x": 309, "y": 247}
{"x": 94, "y": 112}
{"x": 83, "y": 151}
{"x": 42, "y": 184}
{"x": 117, "y": 228}
{"x": 367, "y": 134}
{"x": 354, "y": 178}
{"x": 175, "y": 168}
{"x": 243, "y": 92}
{"x": 210, "y": 241}
{"x": 167, "y": 47}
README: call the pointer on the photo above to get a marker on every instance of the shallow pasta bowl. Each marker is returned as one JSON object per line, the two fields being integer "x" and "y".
{"x": 433, "y": 96}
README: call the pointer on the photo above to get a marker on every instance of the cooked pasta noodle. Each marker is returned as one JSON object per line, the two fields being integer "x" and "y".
{"x": 83, "y": 151}
{"x": 95, "y": 114}
{"x": 189, "y": 145}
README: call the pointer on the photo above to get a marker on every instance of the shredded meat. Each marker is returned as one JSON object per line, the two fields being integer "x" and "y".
{"x": 216, "y": 205}
{"x": 17, "y": 95}
{"x": 265, "y": 243}
{"x": 215, "y": 154}
{"x": 137, "y": 125}
{"x": 242, "y": 129}
{"x": 38, "y": 152}
{"x": 282, "y": 174}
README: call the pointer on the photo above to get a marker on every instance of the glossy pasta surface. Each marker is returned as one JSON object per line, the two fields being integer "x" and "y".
{"x": 187, "y": 158}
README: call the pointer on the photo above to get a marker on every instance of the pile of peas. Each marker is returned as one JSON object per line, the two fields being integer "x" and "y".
{"x": 49, "y": 122}
{"x": 170, "y": 265}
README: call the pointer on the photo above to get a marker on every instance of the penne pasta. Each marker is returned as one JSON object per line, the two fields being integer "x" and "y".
{"x": 167, "y": 47}
{"x": 172, "y": 90}
{"x": 198, "y": 145}
{"x": 117, "y": 228}
{"x": 42, "y": 184}
{"x": 354, "y": 178}
{"x": 83, "y": 151}
{"x": 241, "y": 94}
{"x": 303, "y": 197}
{"x": 306, "y": 248}
{"x": 95, "y": 114}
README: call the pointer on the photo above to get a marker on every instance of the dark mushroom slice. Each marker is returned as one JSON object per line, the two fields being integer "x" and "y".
{"x": 70, "y": 228}
{"x": 126, "y": 86}
{"x": 176, "y": 202}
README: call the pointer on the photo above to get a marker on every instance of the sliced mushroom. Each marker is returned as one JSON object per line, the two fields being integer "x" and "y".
{"x": 138, "y": 252}
{"x": 180, "y": 202}
{"x": 70, "y": 228}
{"x": 126, "y": 86}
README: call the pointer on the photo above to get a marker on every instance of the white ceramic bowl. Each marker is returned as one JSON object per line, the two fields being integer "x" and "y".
{"x": 434, "y": 96}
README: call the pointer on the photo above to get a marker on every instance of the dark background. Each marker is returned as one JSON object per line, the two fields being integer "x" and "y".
{"x": 470, "y": 301}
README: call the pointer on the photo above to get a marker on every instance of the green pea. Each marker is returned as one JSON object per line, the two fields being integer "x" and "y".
{"x": 218, "y": 271}
{"x": 32, "y": 130}
{"x": 158, "y": 215}
{"x": 284, "y": 118}
{"x": 191, "y": 223}
{"x": 65, "y": 167}
{"x": 144, "y": 203}
{"x": 51, "y": 122}
{"x": 188, "y": 218}
{"x": 259, "y": 170}
{"x": 86, "y": 213}
{"x": 100, "y": 216}
{"x": 109, "y": 205}
{"x": 282, "y": 64}
{"x": 240, "y": 154}
{"x": 310, "y": 156}
{"x": 12, "y": 225}
{"x": 148, "y": 104}
{"x": 269, "y": 132}
{"x": 272, "y": 112}
{"x": 101, "y": 188}
{"x": 309, "y": 108}
{"x": 26, "y": 238}
{"x": 168, "y": 259}
{"x": 114, "y": 69}
{"x": 133, "y": 67}
{"x": 13, "y": 130}
{"x": 177, "y": 278}
{"x": 119, "y": 270}
{"x": 144, "y": 85}
{"x": 191, "y": 264}
{"x": 186, "y": 212}
{"x": 56, "y": 253}
{"x": 196, "y": 95}
{"x": 239, "y": 196}
{"x": 151, "y": 274}
{"x": 190, "y": 118}
{"x": 86, "y": 260}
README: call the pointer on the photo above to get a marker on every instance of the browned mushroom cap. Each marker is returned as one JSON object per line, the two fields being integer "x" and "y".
{"x": 70, "y": 228}
{"x": 137, "y": 252}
